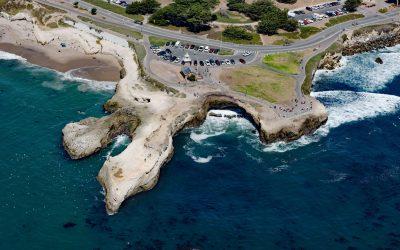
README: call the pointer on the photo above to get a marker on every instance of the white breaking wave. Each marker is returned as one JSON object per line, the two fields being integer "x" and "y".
{"x": 363, "y": 73}
{"x": 119, "y": 141}
{"x": 202, "y": 159}
{"x": 343, "y": 107}
{"x": 215, "y": 126}
{"x": 8, "y": 56}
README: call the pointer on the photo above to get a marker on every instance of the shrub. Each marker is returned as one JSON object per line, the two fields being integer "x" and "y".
{"x": 237, "y": 33}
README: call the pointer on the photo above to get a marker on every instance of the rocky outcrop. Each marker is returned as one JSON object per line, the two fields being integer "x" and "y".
{"x": 362, "y": 40}
{"x": 330, "y": 61}
{"x": 138, "y": 167}
{"x": 379, "y": 60}
{"x": 88, "y": 136}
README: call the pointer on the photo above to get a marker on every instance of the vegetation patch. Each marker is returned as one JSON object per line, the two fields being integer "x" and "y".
{"x": 114, "y": 8}
{"x": 232, "y": 17}
{"x": 303, "y": 33}
{"x": 117, "y": 29}
{"x": 157, "y": 41}
{"x": 226, "y": 52}
{"x": 285, "y": 62}
{"x": 342, "y": 19}
{"x": 255, "y": 39}
{"x": 261, "y": 83}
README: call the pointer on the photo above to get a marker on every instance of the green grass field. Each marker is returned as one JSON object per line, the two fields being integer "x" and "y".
{"x": 303, "y": 33}
{"x": 342, "y": 19}
{"x": 158, "y": 41}
{"x": 261, "y": 83}
{"x": 285, "y": 62}
{"x": 114, "y": 8}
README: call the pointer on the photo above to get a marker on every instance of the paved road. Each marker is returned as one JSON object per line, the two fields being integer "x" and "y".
{"x": 312, "y": 42}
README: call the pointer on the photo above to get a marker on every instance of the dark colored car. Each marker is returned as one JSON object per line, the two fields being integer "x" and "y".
{"x": 201, "y": 63}
{"x": 242, "y": 61}
{"x": 211, "y": 51}
{"x": 232, "y": 61}
{"x": 168, "y": 51}
{"x": 161, "y": 53}
{"x": 187, "y": 46}
{"x": 192, "y": 46}
{"x": 183, "y": 62}
{"x": 196, "y": 47}
{"x": 173, "y": 58}
{"x": 216, "y": 51}
{"x": 212, "y": 62}
{"x": 195, "y": 62}
{"x": 217, "y": 62}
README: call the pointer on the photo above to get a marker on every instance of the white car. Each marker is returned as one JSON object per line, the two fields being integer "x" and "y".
{"x": 201, "y": 48}
{"x": 206, "y": 49}
{"x": 208, "y": 63}
{"x": 227, "y": 62}
{"x": 177, "y": 60}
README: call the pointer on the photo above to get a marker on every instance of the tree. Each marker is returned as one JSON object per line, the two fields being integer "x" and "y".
{"x": 237, "y": 33}
{"x": 276, "y": 19}
{"x": 352, "y": 5}
{"x": 143, "y": 7}
{"x": 93, "y": 11}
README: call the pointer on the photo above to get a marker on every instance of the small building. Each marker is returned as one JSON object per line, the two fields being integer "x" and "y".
{"x": 187, "y": 58}
{"x": 186, "y": 71}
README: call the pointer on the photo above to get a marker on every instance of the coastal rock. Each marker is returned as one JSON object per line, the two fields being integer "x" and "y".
{"x": 21, "y": 16}
{"x": 137, "y": 168}
{"x": 88, "y": 136}
{"x": 379, "y": 60}
{"x": 330, "y": 61}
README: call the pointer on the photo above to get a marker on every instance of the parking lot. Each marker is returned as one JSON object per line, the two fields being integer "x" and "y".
{"x": 199, "y": 55}
{"x": 315, "y": 13}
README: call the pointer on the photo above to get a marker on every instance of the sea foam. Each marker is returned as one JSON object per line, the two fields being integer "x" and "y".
{"x": 343, "y": 107}
{"x": 362, "y": 73}
{"x": 8, "y": 56}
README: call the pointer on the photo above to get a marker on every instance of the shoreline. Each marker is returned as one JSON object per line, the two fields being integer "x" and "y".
{"x": 97, "y": 67}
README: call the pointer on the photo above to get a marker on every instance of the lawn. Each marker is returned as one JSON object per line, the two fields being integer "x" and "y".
{"x": 114, "y": 8}
{"x": 311, "y": 66}
{"x": 261, "y": 83}
{"x": 285, "y": 62}
{"x": 232, "y": 17}
{"x": 226, "y": 52}
{"x": 158, "y": 41}
{"x": 256, "y": 40}
{"x": 342, "y": 19}
{"x": 303, "y": 33}
{"x": 120, "y": 30}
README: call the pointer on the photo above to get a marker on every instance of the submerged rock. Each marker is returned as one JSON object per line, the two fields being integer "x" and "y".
{"x": 379, "y": 60}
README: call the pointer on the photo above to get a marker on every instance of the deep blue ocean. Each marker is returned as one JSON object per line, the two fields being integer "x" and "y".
{"x": 223, "y": 189}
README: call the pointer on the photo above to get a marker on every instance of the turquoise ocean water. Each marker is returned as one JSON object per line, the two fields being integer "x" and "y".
{"x": 223, "y": 189}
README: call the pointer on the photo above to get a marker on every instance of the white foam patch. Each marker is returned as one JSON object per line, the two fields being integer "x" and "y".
{"x": 343, "y": 107}
{"x": 89, "y": 85}
{"x": 119, "y": 141}
{"x": 363, "y": 73}
{"x": 202, "y": 160}
{"x": 8, "y": 56}
{"x": 217, "y": 125}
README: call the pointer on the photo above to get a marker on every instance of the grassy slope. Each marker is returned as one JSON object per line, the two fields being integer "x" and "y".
{"x": 261, "y": 83}
{"x": 232, "y": 18}
{"x": 158, "y": 41}
{"x": 342, "y": 19}
{"x": 286, "y": 62}
{"x": 123, "y": 31}
{"x": 114, "y": 8}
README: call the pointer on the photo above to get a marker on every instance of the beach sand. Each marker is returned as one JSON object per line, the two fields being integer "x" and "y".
{"x": 97, "y": 67}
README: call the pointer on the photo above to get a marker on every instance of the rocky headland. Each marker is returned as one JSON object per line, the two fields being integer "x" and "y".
{"x": 361, "y": 40}
{"x": 151, "y": 115}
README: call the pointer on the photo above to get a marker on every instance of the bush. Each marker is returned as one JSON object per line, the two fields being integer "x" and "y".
{"x": 352, "y": 5}
{"x": 237, "y": 33}
{"x": 143, "y": 7}
{"x": 191, "y": 77}
{"x": 276, "y": 19}
{"x": 93, "y": 11}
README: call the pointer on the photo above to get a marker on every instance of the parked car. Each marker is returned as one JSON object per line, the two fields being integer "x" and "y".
{"x": 242, "y": 61}
{"x": 217, "y": 62}
{"x": 177, "y": 60}
{"x": 192, "y": 46}
{"x": 195, "y": 63}
{"x": 173, "y": 58}
{"x": 227, "y": 62}
{"x": 232, "y": 61}
{"x": 212, "y": 62}
{"x": 201, "y": 63}
{"x": 216, "y": 51}
{"x": 201, "y": 48}
{"x": 206, "y": 49}
{"x": 208, "y": 63}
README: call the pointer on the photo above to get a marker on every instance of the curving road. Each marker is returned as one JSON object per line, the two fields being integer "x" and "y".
{"x": 106, "y": 16}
